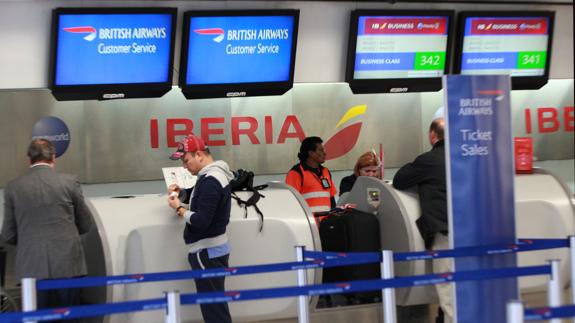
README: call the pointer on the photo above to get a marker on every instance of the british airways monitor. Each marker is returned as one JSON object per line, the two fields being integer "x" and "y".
{"x": 514, "y": 43}
{"x": 238, "y": 53}
{"x": 107, "y": 53}
{"x": 398, "y": 50}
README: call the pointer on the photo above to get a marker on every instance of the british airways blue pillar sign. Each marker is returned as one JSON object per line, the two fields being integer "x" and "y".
{"x": 480, "y": 191}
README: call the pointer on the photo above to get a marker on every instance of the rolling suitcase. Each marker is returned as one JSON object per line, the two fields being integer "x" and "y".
{"x": 350, "y": 230}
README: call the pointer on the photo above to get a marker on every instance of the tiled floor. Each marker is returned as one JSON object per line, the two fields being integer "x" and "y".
{"x": 412, "y": 314}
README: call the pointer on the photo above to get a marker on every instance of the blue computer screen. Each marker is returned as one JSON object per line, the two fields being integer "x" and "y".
{"x": 97, "y": 49}
{"x": 396, "y": 47}
{"x": 239, "y": 49}
{"x": 505, "y": 45}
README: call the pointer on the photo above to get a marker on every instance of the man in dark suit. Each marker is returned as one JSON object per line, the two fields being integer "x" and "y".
{"x": 427, "y": 172}
{"x": 44, "y": 215}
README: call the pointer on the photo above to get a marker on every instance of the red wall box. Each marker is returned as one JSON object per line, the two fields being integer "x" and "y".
{"x": 523, "y": 155}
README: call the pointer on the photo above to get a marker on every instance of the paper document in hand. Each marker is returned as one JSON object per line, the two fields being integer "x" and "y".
{"x": 179, "y": 176}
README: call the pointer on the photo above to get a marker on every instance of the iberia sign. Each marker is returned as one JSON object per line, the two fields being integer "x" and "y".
{"x": 221, "y": 131}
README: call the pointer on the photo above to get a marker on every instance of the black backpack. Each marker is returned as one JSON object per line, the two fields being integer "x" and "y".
{"x": 244, "y": 181}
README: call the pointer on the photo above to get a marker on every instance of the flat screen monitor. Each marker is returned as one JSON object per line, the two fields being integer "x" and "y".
{"x": 108, "y": 53}
{"x": 395, "y": 51}
{"x": 238, "y": 53}
{"x": 514, "y": 43}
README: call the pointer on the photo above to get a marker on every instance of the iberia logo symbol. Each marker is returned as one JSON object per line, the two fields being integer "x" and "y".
{"x": 484, "y": 26}
{"x": 91, "y": 31}
{"x": 345, "y": 139}
{"x": 219, "y": 32}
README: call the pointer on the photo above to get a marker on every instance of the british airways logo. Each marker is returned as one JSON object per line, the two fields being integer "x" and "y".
{"x": 64, "y": 311}
{"x": 498, "y": 94}
{"x": 91, "y": 31}
{"x": 218, "y": 32}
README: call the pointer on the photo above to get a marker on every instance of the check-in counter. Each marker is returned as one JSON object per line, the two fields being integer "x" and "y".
{"x": 544, "y": 209}
{"x": 141, "y": 234}
{"x": 396, "y": 211}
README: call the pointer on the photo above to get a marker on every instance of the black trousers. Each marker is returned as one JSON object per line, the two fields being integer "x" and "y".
{"x": 212, "y": 313}
{"x": 67, "y": 297}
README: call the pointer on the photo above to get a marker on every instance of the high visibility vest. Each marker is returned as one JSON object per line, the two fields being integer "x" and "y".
{"x": 310, "y": 187}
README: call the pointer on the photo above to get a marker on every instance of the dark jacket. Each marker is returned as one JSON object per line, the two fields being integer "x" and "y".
{"x": 210, "y": 203}
{"x": 346, "y": 183}
{"x": 427, "y": 172}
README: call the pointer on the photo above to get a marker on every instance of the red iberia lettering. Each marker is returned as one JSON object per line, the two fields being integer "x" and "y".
{"x": 154, "y": 133}
{"x": 269, "y": 130}
{"x": 569, "y": 116}
{"x": 547, "y": 119}
{"x": 527, "y": 120}
{"x": 249, "y": 131}
{"x": 215, "y": 133}
{"x": 207, "y": 132}
{"x": 186, "y": 126}
{"x": 284, "y": 132}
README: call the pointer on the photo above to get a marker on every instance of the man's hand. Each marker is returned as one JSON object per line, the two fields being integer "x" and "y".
{"x": 173, "y": 200}
{"x": 173, "y": 188}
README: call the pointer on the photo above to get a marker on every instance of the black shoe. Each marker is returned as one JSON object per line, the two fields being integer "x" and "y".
{"x": 439, "y": 317}
{"x": 324, "y": 301}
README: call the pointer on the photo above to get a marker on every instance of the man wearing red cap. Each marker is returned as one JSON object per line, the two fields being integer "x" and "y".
{"x": 207, "y": 216}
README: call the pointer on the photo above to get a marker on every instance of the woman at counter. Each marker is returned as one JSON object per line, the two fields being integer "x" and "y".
{"x": 367, "y": 165}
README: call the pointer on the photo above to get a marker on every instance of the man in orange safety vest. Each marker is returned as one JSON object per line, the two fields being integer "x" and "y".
{"x": 310, "y": 178}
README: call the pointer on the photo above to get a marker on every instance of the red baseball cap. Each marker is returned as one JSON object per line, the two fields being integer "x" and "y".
{"x": 190, "y": 144}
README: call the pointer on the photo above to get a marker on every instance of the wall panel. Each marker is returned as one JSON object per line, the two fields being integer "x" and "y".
{"x": 114, "y": 141}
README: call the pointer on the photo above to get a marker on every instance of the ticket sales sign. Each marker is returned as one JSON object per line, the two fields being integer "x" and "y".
{"x": 479, "y": 159}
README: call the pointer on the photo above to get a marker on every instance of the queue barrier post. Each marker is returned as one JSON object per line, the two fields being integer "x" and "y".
{"x": 388, "y": 294}
{"x": 572, "y": 264}
{"x": 554, "y": 289}
{"x": 29, "y": 295}
{"x": 515, "y": 311}
{"x": 173, "y": 308}
{"x": 303, "y": 303}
